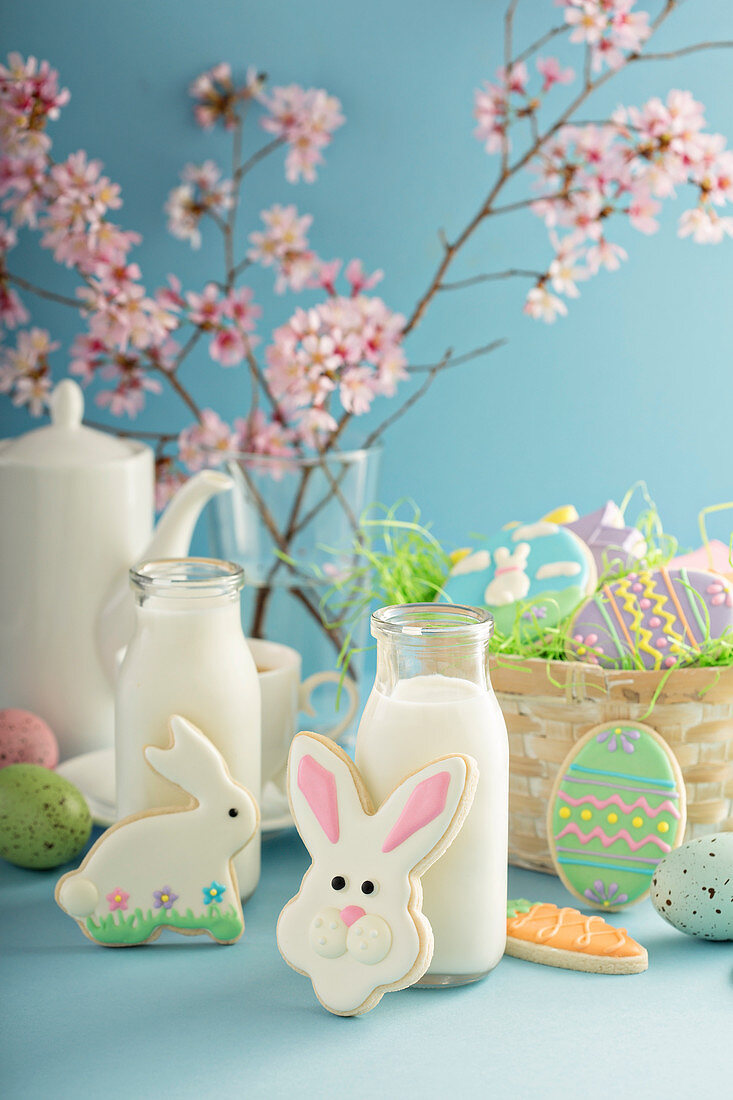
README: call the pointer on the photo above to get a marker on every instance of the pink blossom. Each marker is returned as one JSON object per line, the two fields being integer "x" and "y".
{"x": 170, "y": 297}
{"x": 587, "y": 19}
{"x": 259, "y": 435}
{"x": 629, "y": 29}
{"x": 12, "y": 310}
{"x": 218, "y": 98}
{"x": 564, "y": 272}
{"x": 207, "y": 309}
{"x": 305, "y": 120}
{"x": 490, "y": 112}
{"x": 642, "y": 209}
{"x": 515, "y": 80}
{"x": 605, "y": 254}
{"x": 33, "y": 391}
{"x": 240, "y": 308}
{"x": 705, "y": 226}
{"x": 326, "y": 274}
{"x": 201, "y": 192}
{"x": 358, "y": 278}
{"x": 314, "y": 427}
{"x": 543, "y": 306}
{"x": 553, "y": 73}
{"x": 23, "y": 182}
{"x": 29, "y": 97}
{"x": 24, "y": 370}
{"x": 356, "y": 390}
{"x": 228, "y": 347}
{"x": 128, "y": 396}
{"x": 168, "y": 480}
{"x": 199, "y": 444}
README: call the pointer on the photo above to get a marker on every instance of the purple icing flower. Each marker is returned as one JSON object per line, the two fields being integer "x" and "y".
{"x": 618, "y": 736}
{"x": 535, "y": 612}
{"x": 606, "y": 895}
{"x": 164, "y": 898}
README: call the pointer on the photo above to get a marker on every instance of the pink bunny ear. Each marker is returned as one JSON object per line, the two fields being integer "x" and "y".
{"x": 425, "y": 803}
{"x": 319, "y": 787}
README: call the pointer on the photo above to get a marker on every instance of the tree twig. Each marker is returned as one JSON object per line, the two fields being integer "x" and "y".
{"x": 682, "y": 52}
{"x": 49, "y": 295}
{"x": 466, "y": 357}
{"x": 543, "y": 40}
{"x": 510, "y": 273}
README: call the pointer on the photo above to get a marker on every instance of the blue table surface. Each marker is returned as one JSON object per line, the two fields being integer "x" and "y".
{"x": 186, "y": 1017}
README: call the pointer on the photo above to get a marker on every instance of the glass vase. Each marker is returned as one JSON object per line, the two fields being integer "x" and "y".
{"x": 291, "y": 524}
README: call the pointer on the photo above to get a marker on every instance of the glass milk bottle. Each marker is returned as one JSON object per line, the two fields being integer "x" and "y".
{"x": 188, "y": 656}
{"x": 432, "y": 696}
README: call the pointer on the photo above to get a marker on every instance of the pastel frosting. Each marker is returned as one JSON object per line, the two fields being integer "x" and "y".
{"x": 568, "y": 929}
{"x": 617, "y": 809}
{"x": 656, "y": 619}
{"x": 533, "y": 574}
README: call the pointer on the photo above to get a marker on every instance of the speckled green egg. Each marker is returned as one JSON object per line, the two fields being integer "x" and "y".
{"x": 44, "y": 819}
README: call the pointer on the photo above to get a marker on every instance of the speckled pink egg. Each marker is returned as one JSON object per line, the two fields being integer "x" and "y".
{"x": 26, "y": 739}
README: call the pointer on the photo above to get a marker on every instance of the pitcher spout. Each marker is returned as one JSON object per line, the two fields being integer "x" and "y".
{"x": 171, "y": 539}
{"x": 173, "y": 534}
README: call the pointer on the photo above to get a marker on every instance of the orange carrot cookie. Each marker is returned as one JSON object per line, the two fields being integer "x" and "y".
{"x": 541, "y": 933}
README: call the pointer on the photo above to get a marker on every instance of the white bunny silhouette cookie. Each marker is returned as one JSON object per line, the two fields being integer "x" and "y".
{"x": 355, "y": 927}
{"x": 168, "y": 868}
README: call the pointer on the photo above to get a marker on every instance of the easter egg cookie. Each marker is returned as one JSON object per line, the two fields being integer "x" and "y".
{"x": 542, "y": 933}
{"x": 652, "y": 620}
{"x": 529, "y": 574}
{"x": 617, "y": 807}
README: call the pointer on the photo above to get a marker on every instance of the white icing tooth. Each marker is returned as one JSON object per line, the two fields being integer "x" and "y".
{"x": 317, "y": 922}
{"x": 322, "y": 940}
{"x": 364, "y": 946}
{"x": 333, "y": 925}
{"x": 373, "y": 934}
{"x": 359, "y": 931}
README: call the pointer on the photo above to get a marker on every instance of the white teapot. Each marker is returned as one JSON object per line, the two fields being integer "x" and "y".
{"x": 76, "y": 512}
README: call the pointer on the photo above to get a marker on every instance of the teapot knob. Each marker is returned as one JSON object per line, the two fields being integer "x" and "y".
{"x": 67, "y": 404}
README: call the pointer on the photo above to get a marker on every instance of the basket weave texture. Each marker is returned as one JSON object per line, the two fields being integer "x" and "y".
{"x": 549, "y": 705}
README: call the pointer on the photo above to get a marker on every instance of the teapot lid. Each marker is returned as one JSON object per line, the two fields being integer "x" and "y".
{"x": 66, "y": 441}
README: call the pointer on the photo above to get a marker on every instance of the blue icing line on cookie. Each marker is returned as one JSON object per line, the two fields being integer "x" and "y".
{"x": 608, "y": 866}
{"x": 618, "y": 786}
{"x": 623, "y": 775}
{"x": 606, "y": 855}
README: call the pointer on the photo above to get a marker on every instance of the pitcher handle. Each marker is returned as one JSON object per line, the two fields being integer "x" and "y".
{"x": 310, "y": 684}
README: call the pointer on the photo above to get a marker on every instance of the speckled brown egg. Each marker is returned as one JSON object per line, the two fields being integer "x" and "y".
{"x": 26, "y": 739}
{"x": 44, "y": 819}
{"x": 692, "y": 887}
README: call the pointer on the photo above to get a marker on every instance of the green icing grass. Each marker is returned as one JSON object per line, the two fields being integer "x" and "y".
{"x": 519, "y": 905}
{"x": 122, "y": 927}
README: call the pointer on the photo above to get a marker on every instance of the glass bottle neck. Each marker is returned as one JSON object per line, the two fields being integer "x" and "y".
{"x": 176, "y": 585}
{"x": 432, "y": 640}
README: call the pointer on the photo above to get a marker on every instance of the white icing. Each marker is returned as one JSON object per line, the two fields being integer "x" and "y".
{"x": 558, "y": 569}
{"x": 509, "y": 582}
{"x": 534, "y": 530}
{"x": 327, "y": 934}
{"x": 181, "y": 848}
{"x": 400, "y": 952}
{"x": 369, "y": 940}
{"x": 472, "y": 563}
{"x": 464, "y": 893}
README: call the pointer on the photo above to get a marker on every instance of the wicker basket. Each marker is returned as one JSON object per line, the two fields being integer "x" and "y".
{"x": 548, "y": 705}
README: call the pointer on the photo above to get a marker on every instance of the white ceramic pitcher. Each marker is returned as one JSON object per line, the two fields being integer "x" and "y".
{"x": 76, "y": 512}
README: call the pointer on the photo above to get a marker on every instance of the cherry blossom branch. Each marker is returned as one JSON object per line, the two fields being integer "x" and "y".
{"x": 542, "y": 41}
{"x": 682, "y": 52}
{"x": 466, "y": 357}
{"x": 506, "y": 173}
{"x": 49, "y": 295}
{"x": 136, "y": 433}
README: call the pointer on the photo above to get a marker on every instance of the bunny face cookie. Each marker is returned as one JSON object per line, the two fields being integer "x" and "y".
{"x": 530, "y": 574}
{"x": 355, "y": 928}
{"x": 168, "y": 868}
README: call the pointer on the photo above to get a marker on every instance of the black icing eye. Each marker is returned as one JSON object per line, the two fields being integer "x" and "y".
{"x": 338, "y": 882}
{"x": 233, "y": 812}
{"x": 368, "y": 887}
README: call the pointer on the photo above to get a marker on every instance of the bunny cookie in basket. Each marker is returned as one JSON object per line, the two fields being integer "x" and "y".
{"x": 355, "y": 927}
{"x": 170, "y": 867}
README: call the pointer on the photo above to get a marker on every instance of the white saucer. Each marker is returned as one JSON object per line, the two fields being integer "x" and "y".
{"x": 94, "y": 774}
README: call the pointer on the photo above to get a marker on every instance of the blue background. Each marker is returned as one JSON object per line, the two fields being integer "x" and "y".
{"x": 635, "y": 382}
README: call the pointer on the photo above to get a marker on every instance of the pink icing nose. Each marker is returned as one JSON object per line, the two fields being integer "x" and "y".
{"x": 351, "y": 913}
